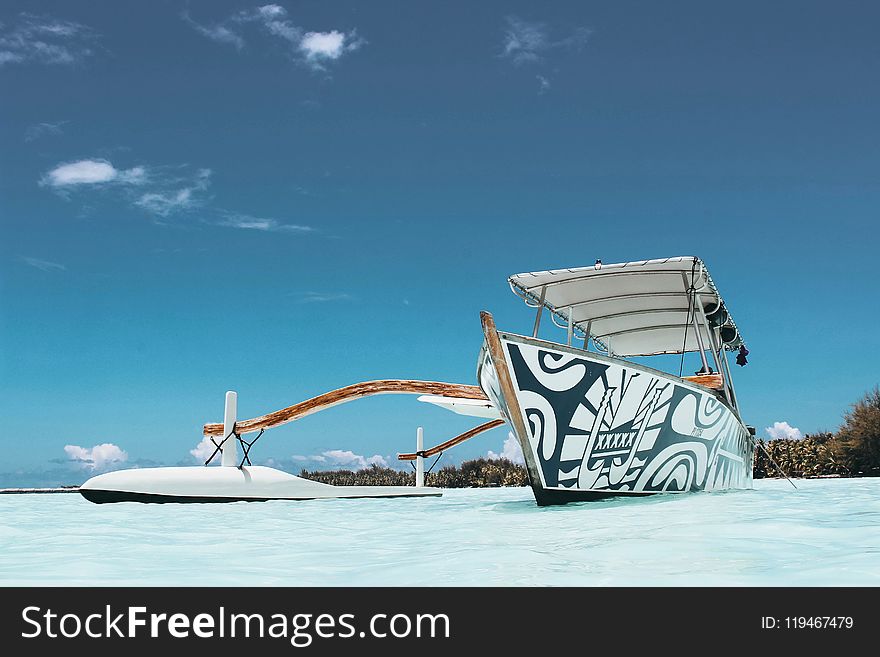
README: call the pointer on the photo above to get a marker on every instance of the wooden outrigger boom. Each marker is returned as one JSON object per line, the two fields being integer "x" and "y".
{"x": 347, "y": 394}
{"x": 452, "y": 442}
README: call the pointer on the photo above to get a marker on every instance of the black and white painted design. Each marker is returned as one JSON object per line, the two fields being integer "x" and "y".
{"x": 598, "y": 427}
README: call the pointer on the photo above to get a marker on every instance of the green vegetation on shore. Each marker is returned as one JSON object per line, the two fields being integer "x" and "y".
{"x": 479, "y": 473}
{"x": 854, "y": 451}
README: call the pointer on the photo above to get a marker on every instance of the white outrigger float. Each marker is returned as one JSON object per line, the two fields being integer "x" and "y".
{"x": 590, "y": 423}
{"x": 240, "y": 481}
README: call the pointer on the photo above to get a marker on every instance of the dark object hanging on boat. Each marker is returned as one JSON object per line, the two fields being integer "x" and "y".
{"x": 741, "y": 356}
{"x": 717, "y": 317}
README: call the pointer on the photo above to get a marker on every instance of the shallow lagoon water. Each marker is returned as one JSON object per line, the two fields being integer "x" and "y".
{"x": 825, "y": 533}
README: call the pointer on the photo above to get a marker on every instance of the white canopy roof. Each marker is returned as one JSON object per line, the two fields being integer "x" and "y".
{"x": 635, "y": 308}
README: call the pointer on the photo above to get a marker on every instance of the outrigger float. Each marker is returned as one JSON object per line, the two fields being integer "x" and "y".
{"x": 591, "y": 424}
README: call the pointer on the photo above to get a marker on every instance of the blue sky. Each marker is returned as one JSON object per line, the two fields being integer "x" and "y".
{"x": 284, "y": 199}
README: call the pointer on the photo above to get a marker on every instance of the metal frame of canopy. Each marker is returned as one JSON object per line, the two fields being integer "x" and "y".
{"x": 696, "y": 284}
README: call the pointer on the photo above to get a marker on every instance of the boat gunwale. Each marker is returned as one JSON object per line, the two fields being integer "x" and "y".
{"x": 614, "y": 360}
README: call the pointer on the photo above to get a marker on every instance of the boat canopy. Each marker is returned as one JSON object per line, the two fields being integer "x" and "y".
{"x": 635, "y": 308}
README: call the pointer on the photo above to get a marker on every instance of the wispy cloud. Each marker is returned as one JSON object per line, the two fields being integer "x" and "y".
{"x": 783, "y": 430}
{"x": 331, "y": 459}
{"x": 217, "y": 32}
{"x": 165, "y": 203}
{"x": 510, "y": 451}
{"x": 311, "y": 48}
{"x": 39, "y": 130}
{"x": 543, "y": 84}
{"x": 273, "y": 18}
{"x": 91, "y": 172}
{"x": 523, "y": 40}
{"x": 174, "y": 196}
{"x": 249, "y": 222}
{"x": 45, "y": 40}
{"x": 43, "y": 265}
{"x": 529, "y": 41}
{"x": 338, "y": 459}
{"x": 323, "y": 297}
{"x": 100, "y": 457}
{"x": 160, "y": 190}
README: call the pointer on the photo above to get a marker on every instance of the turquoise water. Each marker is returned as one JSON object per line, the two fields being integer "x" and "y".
{"x": 826, "y": 533}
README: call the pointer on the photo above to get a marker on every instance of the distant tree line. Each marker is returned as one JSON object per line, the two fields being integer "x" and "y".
{"x": 854, "y": 451}
{"x": 479, "y": 473}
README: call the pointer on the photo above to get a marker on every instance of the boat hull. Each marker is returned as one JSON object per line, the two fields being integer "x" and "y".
{"x": 593, "y": 427}
{"x": 226, "y": 484}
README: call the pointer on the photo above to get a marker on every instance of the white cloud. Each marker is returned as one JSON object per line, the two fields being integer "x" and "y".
{"x": 323, "y": 297}
{"x": 271, "y": 11}
{"x": 249, "y": 222}
{"x": 781, "y": 430}
{"x": 45, "y": 40}
{"x": 91, "y": 172}
{"x": 43, "y": 265}
{"x": 348, "y": 458}
{"x": 204, "y": 449}
{"x": 83, "y": 172}
{"x": 528, "y": 41}
{"x": 511, "y": 451}
{"x": 317, "y": 458}
{"x": 319, "y": 47}
{"x": 99, "y": 457}
{"x": 329, "y": 45}
{"x": 42, "y": 129}
{"x": 311, "y": 48}
{"x": 338, "y": 459}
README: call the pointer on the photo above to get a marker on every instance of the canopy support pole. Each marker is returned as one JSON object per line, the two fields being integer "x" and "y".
{"x": 693, "y": 301}
{"x": 700, "y": 343}
{"x": 713, "y": 347}
{"x": 728, "y": 377}
{"x": 540, "y": 311}
{"x": 570, "y": 331}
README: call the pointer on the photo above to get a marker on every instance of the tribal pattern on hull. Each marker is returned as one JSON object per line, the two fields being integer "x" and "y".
{"x": 598, "y": 426}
